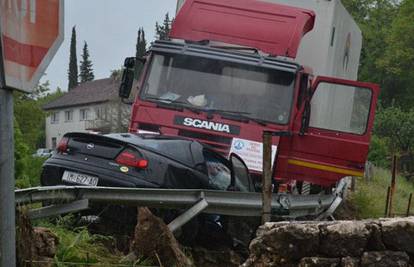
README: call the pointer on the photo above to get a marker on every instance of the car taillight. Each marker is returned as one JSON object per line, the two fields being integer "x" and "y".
{"x": 129, "y": 158}
{"x": 283, "y": 188}
{"x": 63, "y": 145}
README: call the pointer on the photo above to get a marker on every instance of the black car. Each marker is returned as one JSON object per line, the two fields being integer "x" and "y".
{"x": 147, "y": 161}
{"x": 144, "y": 161}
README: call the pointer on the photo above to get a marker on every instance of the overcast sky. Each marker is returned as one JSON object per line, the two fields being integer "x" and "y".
{"x": 110, "y": 29}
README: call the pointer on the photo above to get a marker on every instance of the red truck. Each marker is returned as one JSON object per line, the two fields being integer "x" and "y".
{"x": 229, "y": 73}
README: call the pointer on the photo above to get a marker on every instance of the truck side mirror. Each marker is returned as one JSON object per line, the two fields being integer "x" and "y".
{"x": 127, "y": 78}
{"x": 240, "y": 176}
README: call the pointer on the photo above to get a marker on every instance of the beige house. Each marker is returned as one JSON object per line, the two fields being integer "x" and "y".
{"x": 91, "y": 107}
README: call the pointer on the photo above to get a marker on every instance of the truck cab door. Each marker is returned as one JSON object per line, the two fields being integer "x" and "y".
{"x": 331, "y": 134}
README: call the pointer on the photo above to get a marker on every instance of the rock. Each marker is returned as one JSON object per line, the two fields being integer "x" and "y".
{"x": 345, "y": 238}
{"x": 215, "y": 258}
{"x": 153, "y": 240}
{"x": 282, "y": 243}
{"x": 266, "y": 260}
{"x": 36, "y": 246}
{"x": 321, "y": 244}
{"x": 375, "y": 238}
{"x": 45, "y": 242}
{"x": 319, "y": 262}
{"x": 385, "y": 259}
{"x": 350, "y": 262}
{"x": 398, "y": 234}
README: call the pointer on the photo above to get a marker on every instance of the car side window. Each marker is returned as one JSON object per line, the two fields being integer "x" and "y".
{"x": 219, "y": 175}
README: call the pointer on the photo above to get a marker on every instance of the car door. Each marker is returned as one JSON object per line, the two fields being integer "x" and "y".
{"x": 330, "y": 137}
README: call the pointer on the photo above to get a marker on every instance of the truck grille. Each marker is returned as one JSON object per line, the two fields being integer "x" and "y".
{"x": 220, "y": 143}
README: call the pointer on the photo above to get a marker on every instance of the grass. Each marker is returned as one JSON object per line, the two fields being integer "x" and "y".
{"x": 78, "y": 247}
{"x": 369, "y": 199}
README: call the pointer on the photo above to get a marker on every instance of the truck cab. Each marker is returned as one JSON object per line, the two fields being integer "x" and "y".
{"x": 229, "y": 74}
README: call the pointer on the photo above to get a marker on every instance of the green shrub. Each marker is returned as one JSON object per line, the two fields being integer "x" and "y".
{"x": 29, "y": 175}
{"x": 396, "y": 127}
{"x": 378, "y": 152}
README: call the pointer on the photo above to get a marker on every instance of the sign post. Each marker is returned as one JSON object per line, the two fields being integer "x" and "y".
{"x": 7, "y": 207}
{"x": 30, "y": 35}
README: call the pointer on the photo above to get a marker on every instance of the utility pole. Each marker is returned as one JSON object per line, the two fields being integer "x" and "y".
{"x": 7, "y": 184}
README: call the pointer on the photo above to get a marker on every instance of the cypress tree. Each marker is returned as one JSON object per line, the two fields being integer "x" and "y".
{"x": 86, "y": 71}
{"x": 163, "y": 31}
{"x": 167, "y": 27}
{"x": 157, "y": 30}
{"x": 141, "y": 49}
{"x": 73, "y": 62}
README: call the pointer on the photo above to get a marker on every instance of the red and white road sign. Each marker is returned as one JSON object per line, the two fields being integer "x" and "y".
{"x": 31, "y": 33}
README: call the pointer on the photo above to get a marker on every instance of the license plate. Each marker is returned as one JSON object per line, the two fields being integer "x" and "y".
{"x": 78, "y": 178}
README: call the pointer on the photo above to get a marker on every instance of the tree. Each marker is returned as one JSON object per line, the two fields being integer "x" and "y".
{"x": 397, "y": 59}
{"x": 163, "y": 31}
{"x": 141, "y": 49}
{"x": 29, "y": 114}
{"x": 375, "y": 18}
{"x": 116, "y": 74}
{"x": 86, "y": 71}
{"x": 21, "y": 152}
{"x": 397, "y": 127}
{"x": 73, "y": 62}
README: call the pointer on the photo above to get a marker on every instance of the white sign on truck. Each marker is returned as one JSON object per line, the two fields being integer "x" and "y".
{"x": 251, "y": 152}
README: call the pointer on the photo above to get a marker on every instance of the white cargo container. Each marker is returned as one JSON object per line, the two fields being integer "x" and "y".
{"x": 333, "y": 47}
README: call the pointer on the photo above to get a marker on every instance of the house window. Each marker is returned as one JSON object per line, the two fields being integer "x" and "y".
{"x": 54, "y": 118}
{"x": 84, "y": 114}
{"x": 101, "y": 113}
{"x": 68, "y": 115}
{"x": 54, "y": 142}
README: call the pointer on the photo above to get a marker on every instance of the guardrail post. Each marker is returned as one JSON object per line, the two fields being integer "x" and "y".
{"x": 267, "y": 177}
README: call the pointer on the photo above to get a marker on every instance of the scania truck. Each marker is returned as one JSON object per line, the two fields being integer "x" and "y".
{"x": 236, "y": 68}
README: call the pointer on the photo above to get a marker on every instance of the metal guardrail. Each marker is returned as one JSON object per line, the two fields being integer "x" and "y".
{"x": 216, "y": 202}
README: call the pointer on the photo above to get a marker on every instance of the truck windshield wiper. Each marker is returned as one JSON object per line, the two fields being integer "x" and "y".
{"x": 238, "y": 115}
{"x": 181, "y": 104}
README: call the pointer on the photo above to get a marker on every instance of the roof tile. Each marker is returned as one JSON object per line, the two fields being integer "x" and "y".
{"x": 87, "y": 93}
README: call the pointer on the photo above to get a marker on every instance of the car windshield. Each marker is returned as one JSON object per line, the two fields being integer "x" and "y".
{"x": 216, "y": 85}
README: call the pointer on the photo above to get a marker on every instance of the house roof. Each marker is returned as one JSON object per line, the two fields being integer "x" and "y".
{"x": 97, "y": 91}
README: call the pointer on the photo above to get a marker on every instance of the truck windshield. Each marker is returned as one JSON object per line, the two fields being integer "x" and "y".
{"x": 215, "y": 85}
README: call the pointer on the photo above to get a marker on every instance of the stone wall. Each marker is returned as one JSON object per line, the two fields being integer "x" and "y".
{"x": 385, "y": 242}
